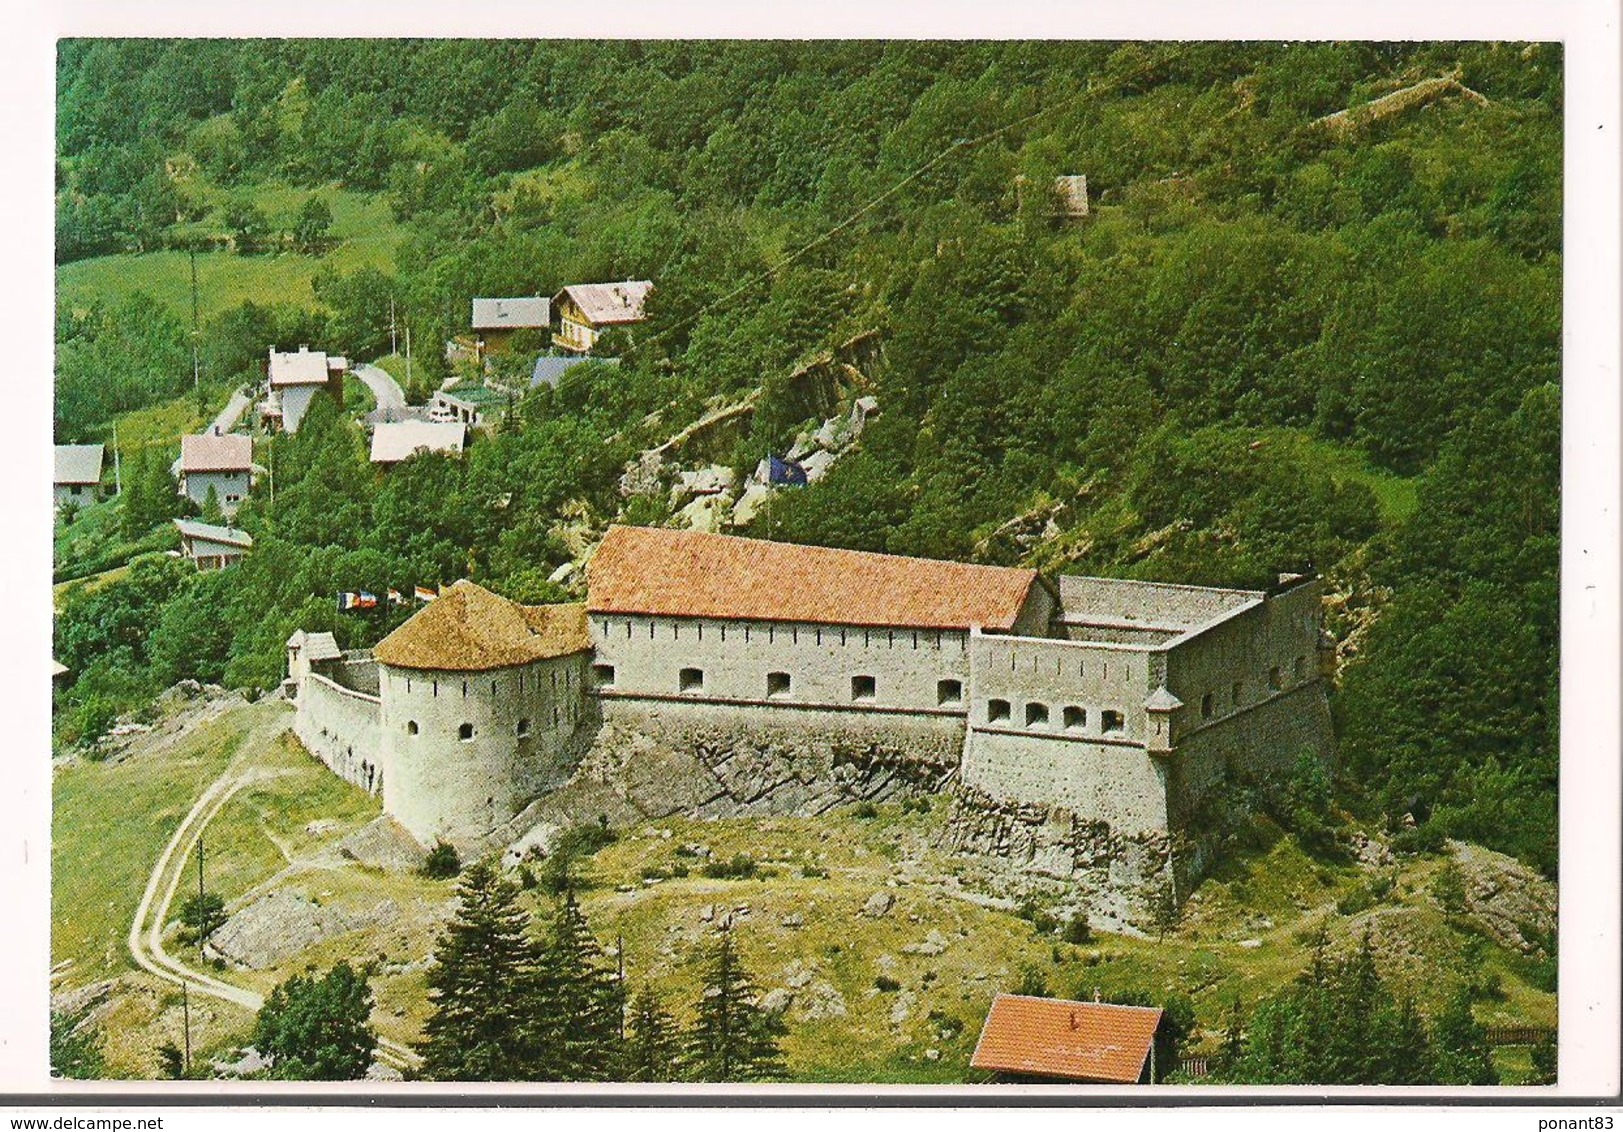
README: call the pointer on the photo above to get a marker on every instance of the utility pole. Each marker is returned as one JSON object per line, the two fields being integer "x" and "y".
{"x": 408, "y": 357}
{"x": 393, "y": 344}
{"x": 197, "y": 369}
{"x": 186, "y": 1022}
{"x": 118, "y": 474}
{"x": 200, "y": 882}
{"x": 620, "y": 976}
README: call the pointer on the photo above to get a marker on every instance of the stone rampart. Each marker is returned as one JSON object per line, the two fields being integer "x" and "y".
{"x": 340, "y": 727}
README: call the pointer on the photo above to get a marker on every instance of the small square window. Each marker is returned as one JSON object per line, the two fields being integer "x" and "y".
{"x": 1036, "y": 715}
{"x": 863, "y": 687}
{"x": 1111, "y": 720}
{"x": 603, "y": 674}
{"x": 411, "y": 727}
{"x": 949, "y": 692}
{"x": 690, "y": 679}
{"x": 1206, "y": 706}
{"x": 523, "y": 728}
{"x": 1075, "y": 718}
{"x": 997, "y": 711}
{"x": 465, "y": 732}
{"x": 777, "y": 684}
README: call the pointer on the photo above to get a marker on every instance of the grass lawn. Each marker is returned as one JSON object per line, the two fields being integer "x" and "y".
{"x": 1397, "y": 496}
{"x": 363, "y": 228}
{"x": 109, "y": 822}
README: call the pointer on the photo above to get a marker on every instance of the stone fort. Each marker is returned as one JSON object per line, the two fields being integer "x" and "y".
{"x": 1081, "y": 724}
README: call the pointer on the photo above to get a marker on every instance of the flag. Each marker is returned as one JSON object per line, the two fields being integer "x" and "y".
{"x": 396, "y": 598}
{"x": 345, "y": 601}
{"x": 785, "y": 472}
{"x": 364, "y": 600}
{"x": 425, "y": 594}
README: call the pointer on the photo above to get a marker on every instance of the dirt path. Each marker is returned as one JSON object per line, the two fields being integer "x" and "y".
{"x": 146, "y": 930}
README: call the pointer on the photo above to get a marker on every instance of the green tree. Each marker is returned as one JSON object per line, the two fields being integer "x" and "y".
{"x": 318, "y": 1029}
{"x": 481, "y": 985}
{"x": 76, "y": 1046}
{"x": 733, "y": 1037}
{"x": 653, "y": 1047}
{"x": 577, "y": 1006}
{"x": 248, "y": 226}
{"x": 201, "y": 914}
{"x": 313, "y": 223}
{"x": 211, "y": 511}
{"x": 1463, "y": 1056}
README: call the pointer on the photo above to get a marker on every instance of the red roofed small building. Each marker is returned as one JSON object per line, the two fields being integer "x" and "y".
{"x": 586, "y": 310}
{"x": 1028, "y": 1039}
{"x": 294, "y": 378}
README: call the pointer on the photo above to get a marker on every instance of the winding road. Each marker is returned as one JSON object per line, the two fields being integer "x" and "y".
{"x": 386, "y": 390}
{"x": 146, "y": 930}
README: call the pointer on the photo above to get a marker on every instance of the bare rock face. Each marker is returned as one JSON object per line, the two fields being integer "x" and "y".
{"x": 1512, "y": 902}
{"x": 383, "y": 844}
{"x": 275, "y": 928}
{"x": 879, "y": 904}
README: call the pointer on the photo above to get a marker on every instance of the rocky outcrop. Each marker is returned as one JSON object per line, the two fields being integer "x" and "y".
{"x": 1511, "y": 902}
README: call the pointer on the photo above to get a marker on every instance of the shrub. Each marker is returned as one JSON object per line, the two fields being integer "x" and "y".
{"x": 741, "y": 867}
{"x": 1427, "y": 838}
{"x": 1355, "y": 901}
{"x": 916, "y": 805}
{"x": 1077, "y": 929}
{"x": 867, "y": 811}
{"x": 442, "y": 862}
{"x": 887, "y": 984}
{"x": 813, "y": 871}
{"x": 201, "y": 914}
{"x": 1044, "y": 922}
{"x": 1032, "y": 982}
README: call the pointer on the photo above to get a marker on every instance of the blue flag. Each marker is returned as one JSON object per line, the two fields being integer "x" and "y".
{"x": 785, "y": 473}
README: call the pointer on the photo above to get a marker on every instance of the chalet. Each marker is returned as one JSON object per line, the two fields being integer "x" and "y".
{"x": 295, "y": 378}
{"x": 400, "y": 440}
{"x": 586, "y": 310}
{"x": 1052, "y": 1040}
{"x": 212, "y": 547}
{"x": 223, "y": 462}
{"x": 549, "y": 369}
{"x": 496, "y": 320}
{"x": 78, "y": 474}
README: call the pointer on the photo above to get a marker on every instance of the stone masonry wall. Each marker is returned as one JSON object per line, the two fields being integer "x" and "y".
{"x": 527, "y": 726}
{"x": 339, "y": 726}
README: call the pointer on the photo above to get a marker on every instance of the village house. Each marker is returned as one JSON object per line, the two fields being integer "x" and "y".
{"x": 1126, "y": 704}
{"x": 495, "y": 321}
{"x": 78, "y": 474}
{"x": 399, "y": 440}
{"x": 549, "y": 369}
{"x": 295, "y": 377}
{"x": 472, "y": 406}
{"x": 1030, "y": 1040}
{"x": 586, "y": 310}
{"x": 224, "y": 463}
{"x": 212, "y": 547}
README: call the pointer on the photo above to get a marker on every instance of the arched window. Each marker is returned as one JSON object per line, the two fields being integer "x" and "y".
{"x": 1075, "y": 718}
{"x": 1036, "y": 715}
{"x": 523, "y": 728}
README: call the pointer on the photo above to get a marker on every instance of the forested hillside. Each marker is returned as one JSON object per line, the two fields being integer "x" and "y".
{"x": 1313, "y": 318}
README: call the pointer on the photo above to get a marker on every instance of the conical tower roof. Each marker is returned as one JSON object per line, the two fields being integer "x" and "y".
{"x": 469, "y": 629}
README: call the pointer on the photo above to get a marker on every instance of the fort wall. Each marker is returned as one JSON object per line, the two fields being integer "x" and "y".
{"x": 340, "y": 726}
{"x": 468, "y": 750}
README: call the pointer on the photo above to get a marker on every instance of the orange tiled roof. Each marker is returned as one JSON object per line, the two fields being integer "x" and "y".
{"x": 1076, "y": 1041}
{"x": 470, "y": 629}
{"x": 673, "y": 573}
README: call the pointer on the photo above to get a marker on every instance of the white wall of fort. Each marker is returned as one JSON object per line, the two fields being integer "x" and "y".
{"x": 468, "y": 750}
{"x": 340, "y": 726}
{"x": 773, "y": 664}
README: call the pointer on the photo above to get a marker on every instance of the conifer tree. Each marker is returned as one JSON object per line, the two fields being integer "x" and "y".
{"x": 212, "y": 511}
{"x": 733, "y": 1038}
{"x": 576, "y": 1005}
{"x": 653, "y": 1047}
{"x": 484, "y": 972}
{"x": 1463, "y": 1056}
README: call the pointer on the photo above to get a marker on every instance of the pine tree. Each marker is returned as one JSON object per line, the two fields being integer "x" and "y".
{"x": 653, "y": 1047}
{"x": 212, "y": 511}
{"x": 485, "y": 966}
{"x": 733, "y": 1038}
{"x": 574, "y": 1016}
{"x": 1405, "y": 1054}
{"x": 1463, "y": 1056}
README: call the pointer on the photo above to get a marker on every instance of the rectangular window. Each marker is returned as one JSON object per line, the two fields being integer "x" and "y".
{"x": 777, "y": 684}
{"x": 997, "y": 711}
{"x": 690, "y": 679}
{"x": 1111, "y": 720}
{"x": 863, "y": 688}
{"x": 1036, "y": 715}
{"x": 603, "y": 674}
{"x": 1075, "y": 718}
{"x": 949, "y": 692}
